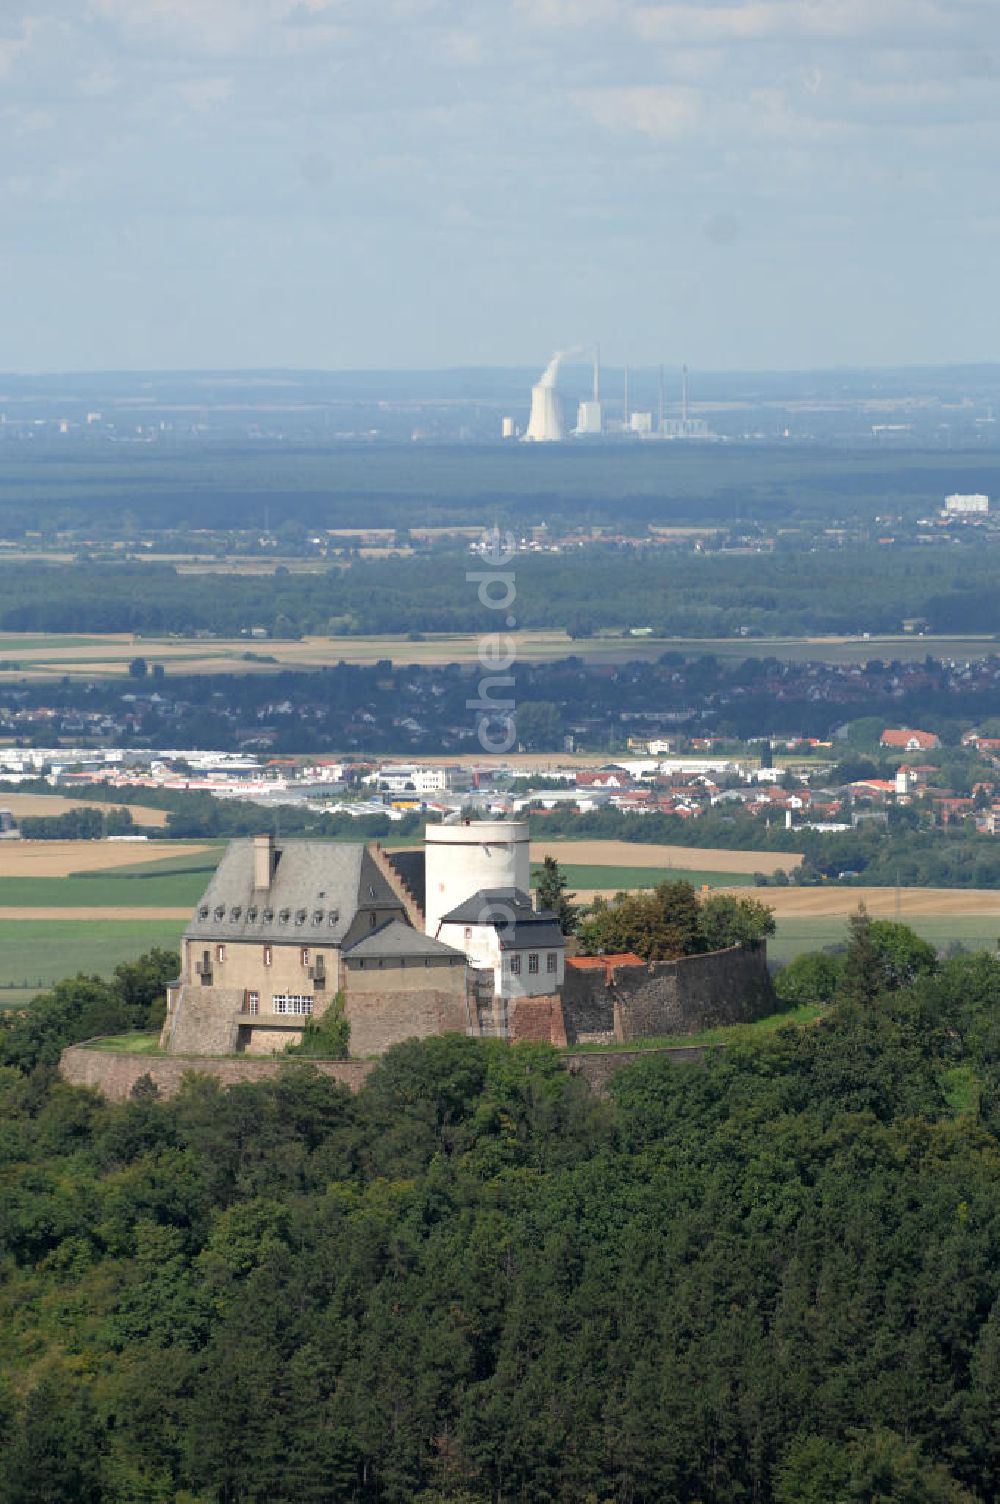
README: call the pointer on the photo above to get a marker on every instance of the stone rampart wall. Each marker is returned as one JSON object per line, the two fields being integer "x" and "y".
{"x": 115, "y": 1075}
{"x": 670, "y": 997}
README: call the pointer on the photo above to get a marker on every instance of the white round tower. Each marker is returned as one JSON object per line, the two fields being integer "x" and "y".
{"x": 461, "y": 859}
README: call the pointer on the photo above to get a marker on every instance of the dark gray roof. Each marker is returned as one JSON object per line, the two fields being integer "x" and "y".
{"x": 317, "y": 889}
{"x": 519, "y": 925}
{"x": 396, "y": 939}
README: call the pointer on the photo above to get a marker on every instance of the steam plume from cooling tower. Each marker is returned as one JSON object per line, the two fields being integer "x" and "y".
{"x": 545, "y": 425}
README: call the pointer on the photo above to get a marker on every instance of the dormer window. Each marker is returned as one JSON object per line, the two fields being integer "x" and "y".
{"x": 284, "y": 915}
{"x": 203, "y": 911}
{"x": 235, "y": 912}
{"x": 300, "y": 916}
{"x": 252, "y": 913}
{"x": 268, "y": 916}
{"x": 220, "y": 912}
{"x": 318, "y": 916}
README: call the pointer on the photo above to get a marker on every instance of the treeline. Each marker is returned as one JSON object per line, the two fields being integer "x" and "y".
{"x": 799, "y": 592}
{"x": 296, "y": 488}
{"x": 776, "y": 1278}
{"x": 77, "y": 824}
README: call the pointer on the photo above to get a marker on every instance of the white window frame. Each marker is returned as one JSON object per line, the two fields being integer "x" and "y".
{"x": 515, "y": 966}
{"x": 533, "y": 963}
{"x": 295, "y": 1003}
{"x": 551, "y": 962}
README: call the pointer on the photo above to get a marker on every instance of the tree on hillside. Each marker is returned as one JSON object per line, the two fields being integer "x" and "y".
{"x": 724, "y": 920}
{"x": 658, "y": 926}
{"x": 882, "y": 956}
{"x": 550, "y": 893}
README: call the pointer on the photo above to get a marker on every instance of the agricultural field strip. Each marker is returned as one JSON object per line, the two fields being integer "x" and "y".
{"x": 64, "y": 859}
{"x": 37, "y": 952}
{"x": 40, "y": 657}
{"x": 25, "y": 806}
{"x": 637, "y": 854}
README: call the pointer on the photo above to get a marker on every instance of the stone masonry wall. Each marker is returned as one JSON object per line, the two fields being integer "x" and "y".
{"x": 670, "y": 997}
{"x": 203, "y": 1021}
{"x": 115, "y": 1075}
{"x": 384, "y": 1006}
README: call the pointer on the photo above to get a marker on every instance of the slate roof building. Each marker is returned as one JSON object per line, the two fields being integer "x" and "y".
{"x": 281, "y": 929}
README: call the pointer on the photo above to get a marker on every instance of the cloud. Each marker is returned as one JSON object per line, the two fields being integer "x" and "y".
{"x": 787, "y": 20}
{"x": 12, "y": 46}
{"x": 660, "y": 112}
{"x": 204, "y": 94}
{"x": 568, "y": 13}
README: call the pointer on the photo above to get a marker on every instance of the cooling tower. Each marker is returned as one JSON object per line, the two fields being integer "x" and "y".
{"x": 545, "y": 426}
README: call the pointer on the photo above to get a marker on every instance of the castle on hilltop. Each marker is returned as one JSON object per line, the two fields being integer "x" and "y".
{"x": 419, "y": 942}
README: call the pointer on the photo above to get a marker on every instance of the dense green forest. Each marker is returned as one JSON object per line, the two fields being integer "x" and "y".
{"x": 772, "y": 1279}
{"x": 113, "y": 492}
{"x": 677, "y": 594}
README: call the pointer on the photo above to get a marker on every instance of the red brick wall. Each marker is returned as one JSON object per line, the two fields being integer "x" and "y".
{"x": 537, "y": 1018}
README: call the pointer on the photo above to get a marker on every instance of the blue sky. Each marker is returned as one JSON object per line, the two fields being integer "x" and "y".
{"x": 393, "y": 183}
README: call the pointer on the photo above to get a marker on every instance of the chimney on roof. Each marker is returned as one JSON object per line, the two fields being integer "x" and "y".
{"x": 263, "y": 862}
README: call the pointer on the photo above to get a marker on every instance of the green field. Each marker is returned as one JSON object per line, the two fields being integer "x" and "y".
{"x": 34, "y": 953}
{"x": 104, "y": 890}
{"x": 976, "y": 932}
{"x": 195, "y": 861}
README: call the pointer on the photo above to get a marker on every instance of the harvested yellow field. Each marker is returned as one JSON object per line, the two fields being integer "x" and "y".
{"x": 60, "y": 858}
{"x": 882, "y": 903}
{"x": 688, "y": 858}
{"x": 33, "y": 805}
{"x": 94, "y": 913}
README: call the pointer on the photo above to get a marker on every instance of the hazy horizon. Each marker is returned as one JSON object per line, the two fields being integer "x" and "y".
{"x": 431, "y": 184}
